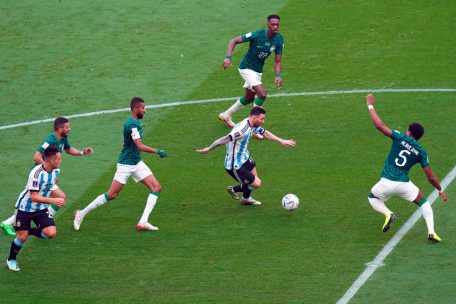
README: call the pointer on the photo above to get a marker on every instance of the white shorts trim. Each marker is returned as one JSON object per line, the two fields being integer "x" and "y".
{"x": 138, "y": 172}
{"x": 251, "y": 78}
{"x": 385, "y": 189}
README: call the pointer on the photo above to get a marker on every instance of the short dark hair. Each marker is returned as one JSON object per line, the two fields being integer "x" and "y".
{"x": 50, "y": 151}
{"x": 59, "y": 122}
{"x": 135, "y": 101}
{"x": 416, "y": 130}
{"x": 273, "y": 16}
{"x": 255, "y": 111}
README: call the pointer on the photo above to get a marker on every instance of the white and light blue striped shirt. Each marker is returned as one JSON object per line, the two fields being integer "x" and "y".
{"x": 41, "y": 181}
{"x": 237, "y": 152}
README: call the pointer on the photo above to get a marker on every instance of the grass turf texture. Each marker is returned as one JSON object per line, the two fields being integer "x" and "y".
{"x": 210, "y": 249}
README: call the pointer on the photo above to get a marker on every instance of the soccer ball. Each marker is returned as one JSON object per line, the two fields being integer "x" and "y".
{"x": 290, "y": 202}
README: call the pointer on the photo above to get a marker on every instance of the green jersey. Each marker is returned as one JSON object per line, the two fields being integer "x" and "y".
{"x": 404, "y": 154}
{"x": 52, "y": 140}
{"x": 260, "y": 48}
{"x": 132, "y": 130}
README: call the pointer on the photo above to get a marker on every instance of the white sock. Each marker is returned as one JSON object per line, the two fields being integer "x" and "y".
{"x": 379, "y": 206}
{"x": 10, "y": 220}
{"x": 234, "y": 108}
{"x": 151, "y": 200}
{"x": 100, "y": 200}
{"x": 428, "y": 216}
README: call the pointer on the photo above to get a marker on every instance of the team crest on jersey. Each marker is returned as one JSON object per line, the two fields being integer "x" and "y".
{"x": 35, "y": 184}
{"x": 237, "y": 134}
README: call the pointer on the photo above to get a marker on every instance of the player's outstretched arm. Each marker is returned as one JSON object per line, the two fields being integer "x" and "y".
{"x": 378, "y": 123}
{"x": 434, "y": 181}
{"x": 76, "y": 152}
{"x": 233, "y": 42}
{"x": 144, "y": 148}
{"x": 287, "y": 143}
{"x": 221, "y": 141}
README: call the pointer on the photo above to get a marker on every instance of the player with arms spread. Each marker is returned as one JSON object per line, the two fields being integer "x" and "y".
{"x": 404, "y": 154}
{"x": 262, "y": 44}
{"x": 32, "y": 204}
{"x": 238, "y": 163}
{"x": 58, "y": 139}
{"x": 130, "y": 164}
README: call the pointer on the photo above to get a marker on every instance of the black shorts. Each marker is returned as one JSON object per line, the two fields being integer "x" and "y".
{"x": 42, "y": 219}
{"x": 244, "y": 174}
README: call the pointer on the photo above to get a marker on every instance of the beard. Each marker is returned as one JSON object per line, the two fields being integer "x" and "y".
{"x": 140, "y": 116}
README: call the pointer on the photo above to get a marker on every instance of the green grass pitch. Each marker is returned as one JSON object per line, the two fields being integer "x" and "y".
{"x": 72, "y": 57}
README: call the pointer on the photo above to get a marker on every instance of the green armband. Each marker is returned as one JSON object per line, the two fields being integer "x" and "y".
{"x": 277, "y": 75}
{"x": 228, "y": 56}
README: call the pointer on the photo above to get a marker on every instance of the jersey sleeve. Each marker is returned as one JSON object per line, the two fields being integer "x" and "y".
{"x": 43, "y": 147}
{"x": 238, "y": 133}
{"x": 259, "y": 130}
{"x": 396, "y": 134}
{"x": 424, "y": 159}
{"x": 66, "y": 144}
{"x": 249, "y": 36}
{"x": 33, "y": 182}
{"x": 133, "y": 130}
{"x": 135, "y": 133}
{"x": 279, "y": 48}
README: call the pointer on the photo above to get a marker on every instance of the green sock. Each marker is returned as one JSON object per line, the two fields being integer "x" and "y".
{"x": 56, "y": 208}
{"x": 243, "y": 101}
{"x": 258, "y": 101}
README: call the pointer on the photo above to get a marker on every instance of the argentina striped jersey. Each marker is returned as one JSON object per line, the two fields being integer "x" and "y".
{"x": 40, "y": 181}
{"x": 237, "y": 152}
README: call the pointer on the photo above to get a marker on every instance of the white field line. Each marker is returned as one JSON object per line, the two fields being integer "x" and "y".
{"x": 372, "y": 266}
{"x": 179, "y": 103}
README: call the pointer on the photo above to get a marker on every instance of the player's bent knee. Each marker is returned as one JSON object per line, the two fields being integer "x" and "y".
{"x": 156, "y": 188}
{"x": 262, "y": 95}
{"x": 21, "y": 238}
{"x": 256, "y": 183}
{"x": 51, "y": 236}
{"x": 50, "y": 232}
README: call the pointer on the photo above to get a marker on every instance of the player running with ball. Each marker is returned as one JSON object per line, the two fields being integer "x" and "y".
{"x": 238, "y": 163}
{"x": 404, "y": 154}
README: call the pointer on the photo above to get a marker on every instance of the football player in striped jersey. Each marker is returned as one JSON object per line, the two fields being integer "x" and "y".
{"x": 238, "y": 163}
{"x": 58, "y": 139}
{"x": 33, "y": 202}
